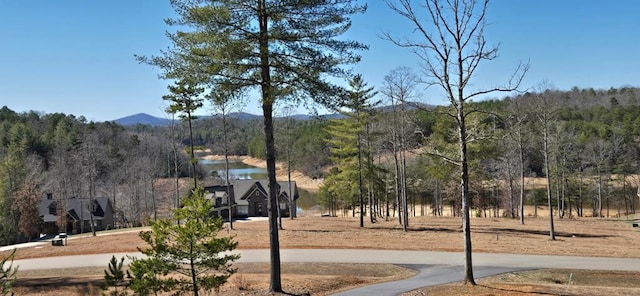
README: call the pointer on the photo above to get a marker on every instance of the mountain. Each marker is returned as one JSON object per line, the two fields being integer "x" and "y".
{"x": 243, "y": 116}
{"x": 146, "y": 119}
{"x": 142, "y": 118}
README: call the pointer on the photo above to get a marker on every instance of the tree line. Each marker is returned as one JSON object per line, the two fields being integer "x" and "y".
{"x": 582, "y": 141}
{"x": 68, "y": 157}
{"x": 399, "y": 129}
{"x": 592, "y": 137}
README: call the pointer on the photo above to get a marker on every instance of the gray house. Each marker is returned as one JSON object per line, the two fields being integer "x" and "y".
{"x": 221, "y": 198}
{"x": 249, "y": 198}
{"x": 79, "y": 213}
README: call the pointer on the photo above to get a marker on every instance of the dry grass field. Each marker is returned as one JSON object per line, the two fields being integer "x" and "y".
{"x": 576, "y": 237}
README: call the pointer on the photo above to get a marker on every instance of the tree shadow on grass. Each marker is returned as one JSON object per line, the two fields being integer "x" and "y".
{"x": 284, "y": 293}
{"x": 517, "y": 291}
{"x": 419, "y": 229}
{"x": 58, "y": 282}
{"x": 316, "y": 230}
{"x": 459, "y": 230}
{"x": 543, "y": 232}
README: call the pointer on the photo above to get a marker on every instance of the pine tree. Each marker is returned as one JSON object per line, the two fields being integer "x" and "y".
{"x": 114, "y": 277}
{"x": 348, "y": 144}
{"x": 287, "y": 49}
{"x": 185, "y": 99}
{"x": 342, "y": 182}
{"x": 7, "y": 274}
{"x": 190, "y": 249}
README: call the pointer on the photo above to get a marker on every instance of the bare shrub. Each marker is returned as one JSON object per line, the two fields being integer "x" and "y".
{"x": 240, "y": 282}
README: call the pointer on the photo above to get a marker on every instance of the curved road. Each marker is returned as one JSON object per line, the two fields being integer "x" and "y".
{"x": 435, "y": 267}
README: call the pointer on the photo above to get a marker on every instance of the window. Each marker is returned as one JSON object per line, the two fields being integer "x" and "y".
{"x": 243, "y": 210}
{"x": 92, "y": 206}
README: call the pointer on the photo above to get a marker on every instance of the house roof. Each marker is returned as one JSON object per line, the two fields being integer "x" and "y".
{"x": 80, "y": 207}
{"x": 77, "y": 208}
{"x": 242, "y": 189}
{"x": 43, "y": 209}
{"x": 217, "y": 191}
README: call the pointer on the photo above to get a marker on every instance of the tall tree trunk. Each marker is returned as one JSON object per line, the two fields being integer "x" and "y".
{"x": 193, "y": 160}
{"x": 292, "y": 208}
{"x": 275, "y": 283}
{"x": 599, "y": 193}
{"x": 91, "y": 199}
{"x": 397, "y": 188}
{"x": 360, "y": 194}
{"x": 624, "y": 194}
{"x": 552, "y": 235}
{"x": 276, "y": 280}
{"x": 153, "y": 200}
{"x": 436, "y": 197}
{"x": 403, "y": 185}
{"x": 522, "y": 186}
{"x": 279, "y": 212}
{"x": 230, "y": 197}
{"x": 563, "y": 191}
{"x": 464, "y": 188}
{"x": 194, "y": 276}
{"x": 174, "y": 147}
{"x": 579, "y": 205}
{"x": 512, "y": 206}
{"x": 558, "y": 185}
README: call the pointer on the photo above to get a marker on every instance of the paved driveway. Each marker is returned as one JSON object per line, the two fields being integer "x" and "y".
{"x": 435, "y": 267}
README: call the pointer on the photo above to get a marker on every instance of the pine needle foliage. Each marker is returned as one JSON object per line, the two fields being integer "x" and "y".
{"x": 114, "y": 277}
{"x": 287, "y": 49}
{"x": 7, "y": 274}
{"x": 187, "y": 257}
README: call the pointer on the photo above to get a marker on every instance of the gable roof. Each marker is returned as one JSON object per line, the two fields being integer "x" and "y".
{"x": 80, "y": 208}
{"x": 244, "y": 188}
{"x": 43, "y": 210}
{"x": 77, "y": 209}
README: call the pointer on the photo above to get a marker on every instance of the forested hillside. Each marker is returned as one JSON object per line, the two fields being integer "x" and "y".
{"x": 68, "y": 157}
{"x": 590, "y": 139}
{"x": 592, "y": 136}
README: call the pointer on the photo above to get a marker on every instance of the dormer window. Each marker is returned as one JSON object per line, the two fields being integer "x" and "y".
{"x": 53, "y": 209}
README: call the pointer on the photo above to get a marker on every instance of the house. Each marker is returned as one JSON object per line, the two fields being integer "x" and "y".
{"x": 218, "y": 193}
{"x": 249, "y": 198}
{"x": 79, "y": 213}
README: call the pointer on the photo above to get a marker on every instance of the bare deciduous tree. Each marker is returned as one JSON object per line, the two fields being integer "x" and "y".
{"x": 399, "y": 87}
{"x": 544, "y": 111}
{"x": 451, "y": 48}
{"x": 516, "y": 134}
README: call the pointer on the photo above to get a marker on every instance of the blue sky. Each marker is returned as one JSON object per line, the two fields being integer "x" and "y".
{"x": 77, "y": 56}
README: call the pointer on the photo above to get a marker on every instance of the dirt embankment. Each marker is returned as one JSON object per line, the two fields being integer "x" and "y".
{"x": 302, "y": 181}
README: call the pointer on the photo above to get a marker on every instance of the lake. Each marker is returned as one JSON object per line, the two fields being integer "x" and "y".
{"x": 237, "y": 169}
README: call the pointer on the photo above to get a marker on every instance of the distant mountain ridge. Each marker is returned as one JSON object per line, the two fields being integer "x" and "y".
{"x": 142, "y": 118}
{"x": 146, "y": 119}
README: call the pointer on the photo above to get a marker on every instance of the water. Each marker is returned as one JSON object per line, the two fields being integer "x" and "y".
{"x": 237, "y": 169}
